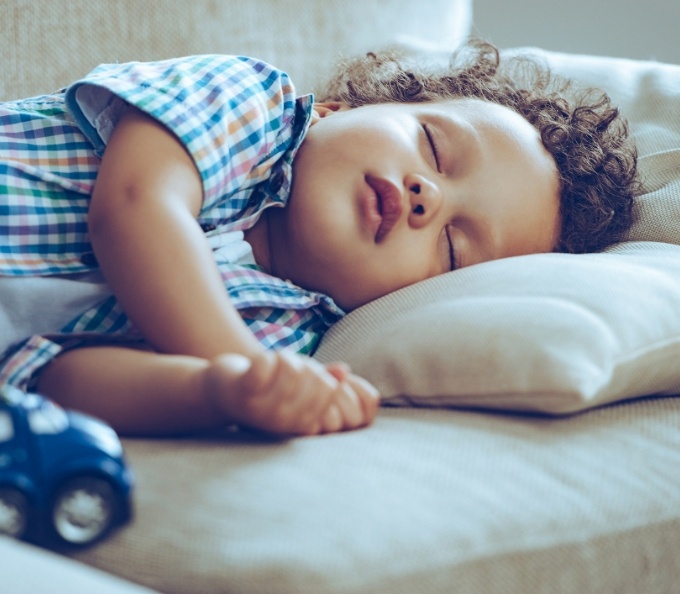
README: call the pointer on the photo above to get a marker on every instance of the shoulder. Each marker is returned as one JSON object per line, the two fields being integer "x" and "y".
{"x": 188, "y": 95}
{"x": 207, "y": 87}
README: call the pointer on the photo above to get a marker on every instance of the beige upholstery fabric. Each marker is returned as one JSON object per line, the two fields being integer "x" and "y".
{"x": 29, "y": 570}
{"x": 425, "y": 501}
{"x": 551, "y": 333}
{"x": 48, "y": 43}
{"x": 554, "y": 333}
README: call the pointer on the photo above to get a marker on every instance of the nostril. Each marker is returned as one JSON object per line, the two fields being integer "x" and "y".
{"x": 418, "y": 209}
{"x": 415, "y": 188}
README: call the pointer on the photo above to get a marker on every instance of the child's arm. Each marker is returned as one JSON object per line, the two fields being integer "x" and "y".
{"x": 152, "y": 252}
{"x": 154, "y": 255}
{"x": 147, "y": 393}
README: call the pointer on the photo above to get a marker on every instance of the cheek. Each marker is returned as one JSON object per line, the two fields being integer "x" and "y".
{"x": 353, "y": 276}
{"x": 399, "y": 269}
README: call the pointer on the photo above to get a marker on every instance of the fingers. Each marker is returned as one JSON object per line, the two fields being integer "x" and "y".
{"x": 368, "y": 396}
{"x": 332, "y": 420}
{"x": 313, "y": 398}
{"x": 355, "y": 402}
{"x": 295, "y": 394}
{"x": 347, "y": 407}
{"x": 340, "y": 371}
{"x": 311, "y": 393}
{"x": 259, "y": 373}
{"x": 288, "y": 394}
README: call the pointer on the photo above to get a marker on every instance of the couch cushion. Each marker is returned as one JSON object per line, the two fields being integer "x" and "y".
{"x": 552, "y": 333}
{"x": 46, "y": 45}
{"x": 30, "y": 570}
{"x": 424, "y": 501}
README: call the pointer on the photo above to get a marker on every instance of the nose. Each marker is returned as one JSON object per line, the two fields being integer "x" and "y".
{"x": 425, "y": 198}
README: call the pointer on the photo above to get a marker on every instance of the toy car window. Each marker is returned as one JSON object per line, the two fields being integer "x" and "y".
{"x": 49, "y": 418}
{"x": 6, "y": 426}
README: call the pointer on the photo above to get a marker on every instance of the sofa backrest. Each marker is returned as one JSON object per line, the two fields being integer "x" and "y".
{"x": 45, "y": 44}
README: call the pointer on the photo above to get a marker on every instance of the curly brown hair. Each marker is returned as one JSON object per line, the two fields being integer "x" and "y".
{"x": 582, "y": 130}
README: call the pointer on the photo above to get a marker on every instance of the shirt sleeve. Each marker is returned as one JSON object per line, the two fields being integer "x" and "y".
{"x": 232, "y": 113}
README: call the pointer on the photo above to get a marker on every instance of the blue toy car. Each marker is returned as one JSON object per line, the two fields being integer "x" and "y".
{"x": 63, "y": 478}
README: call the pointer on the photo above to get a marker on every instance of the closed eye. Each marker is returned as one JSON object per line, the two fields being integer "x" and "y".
{"x": 433, "y": 146}
{"x": 452, "y": 253}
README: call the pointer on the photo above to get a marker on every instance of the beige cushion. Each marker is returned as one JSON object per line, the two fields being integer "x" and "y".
{"x": 30, "y": 570}
{"x": 551, "y": 333}
{"x": 554, "y": 333}
{"x": 47, "y": 44}
{"x": 425, "y": 501}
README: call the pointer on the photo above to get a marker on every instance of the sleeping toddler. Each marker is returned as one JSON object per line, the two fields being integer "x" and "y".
{"x": 178, "y": 235}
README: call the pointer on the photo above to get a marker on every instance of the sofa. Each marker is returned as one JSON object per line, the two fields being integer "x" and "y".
{"x": 529, "y": 440}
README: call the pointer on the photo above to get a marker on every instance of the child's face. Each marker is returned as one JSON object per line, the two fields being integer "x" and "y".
{"x": 388, "y": 195}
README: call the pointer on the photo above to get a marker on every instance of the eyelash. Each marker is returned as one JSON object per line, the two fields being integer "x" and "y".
{"x": 433, "y": 146}
{"x": 452, "y": 253}
{"x": 435, "y": 152}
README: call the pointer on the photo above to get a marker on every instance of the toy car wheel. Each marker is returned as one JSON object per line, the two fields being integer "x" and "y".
{"x": 13, "y": 512}
{"x": 84, "y": 510}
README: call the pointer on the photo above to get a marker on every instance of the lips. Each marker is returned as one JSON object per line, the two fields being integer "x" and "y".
{"x": 389, "y": 205}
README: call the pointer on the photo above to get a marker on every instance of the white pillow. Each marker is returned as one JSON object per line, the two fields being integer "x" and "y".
{"x": 552, "y": 333}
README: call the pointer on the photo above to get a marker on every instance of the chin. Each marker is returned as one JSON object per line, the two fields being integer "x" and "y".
{"x": 357, "y": 295}
{"x": 345, "y": 302}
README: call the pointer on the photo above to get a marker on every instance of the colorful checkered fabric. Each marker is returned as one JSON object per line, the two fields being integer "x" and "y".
{"x": 239, "y": 120}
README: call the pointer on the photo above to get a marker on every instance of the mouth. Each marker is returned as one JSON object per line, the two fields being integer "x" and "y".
{"x": 388, "y": 206}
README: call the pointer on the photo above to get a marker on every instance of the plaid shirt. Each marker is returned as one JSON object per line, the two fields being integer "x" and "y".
{"x": 239, "y": 120}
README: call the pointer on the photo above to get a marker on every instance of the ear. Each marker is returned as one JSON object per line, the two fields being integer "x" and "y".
{"x": 323, "y": 110}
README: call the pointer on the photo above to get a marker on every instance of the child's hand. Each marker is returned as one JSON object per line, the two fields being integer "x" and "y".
{"x": 289, "y": 394}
